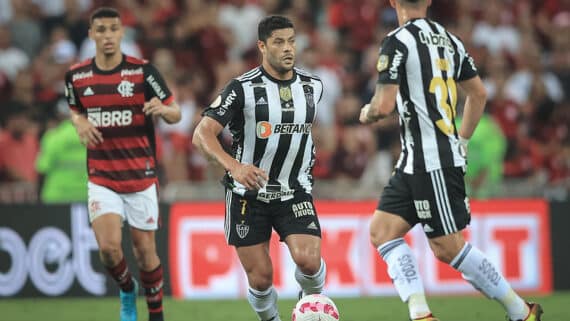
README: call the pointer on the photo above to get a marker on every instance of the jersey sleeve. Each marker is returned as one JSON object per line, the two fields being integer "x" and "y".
{"x": 155, "y": 86}
{"x": 71, "y": 95}
{"x": 467, "y": 68}
{"x": 229, "y": 102}
{"x": 392, "y": 60}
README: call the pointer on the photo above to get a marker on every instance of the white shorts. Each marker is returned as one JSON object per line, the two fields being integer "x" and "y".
{"x": 139, "y": 209}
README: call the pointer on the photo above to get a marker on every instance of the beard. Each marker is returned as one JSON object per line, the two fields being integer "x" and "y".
{"x": 283, "y": 69}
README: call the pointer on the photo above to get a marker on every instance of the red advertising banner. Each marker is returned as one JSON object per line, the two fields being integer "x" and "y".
{"x": 515, "y": 234}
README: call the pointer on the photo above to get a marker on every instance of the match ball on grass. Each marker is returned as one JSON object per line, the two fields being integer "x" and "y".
{"x": 315, "y": 307}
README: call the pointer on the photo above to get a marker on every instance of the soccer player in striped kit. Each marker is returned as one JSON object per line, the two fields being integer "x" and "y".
{"x": 114, "y": 99}
{"x": 270, "y": 112}
{"x": 419, "y": 68}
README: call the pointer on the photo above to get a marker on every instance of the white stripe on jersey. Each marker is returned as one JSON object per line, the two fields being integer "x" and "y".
{"x": 274, "y": 103}
{"x": 275, "y": 111}
{"x": 417, "y": 98}
{"x": 300, "y": 116}
{"x": 429, "y": 139}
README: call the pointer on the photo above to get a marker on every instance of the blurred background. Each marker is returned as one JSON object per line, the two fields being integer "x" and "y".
{"x": 522, "y": 50}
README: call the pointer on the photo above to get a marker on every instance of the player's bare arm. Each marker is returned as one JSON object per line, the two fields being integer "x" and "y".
{"x": 474, "y": 105}
{"x": 381, "y": 105}
{"x": 170, "y": 113}
{"x": 206, "y": 139}
{"x": 88, "y": 133}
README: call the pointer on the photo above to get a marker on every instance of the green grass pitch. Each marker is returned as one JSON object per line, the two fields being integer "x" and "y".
{"x": 447, "y": 308}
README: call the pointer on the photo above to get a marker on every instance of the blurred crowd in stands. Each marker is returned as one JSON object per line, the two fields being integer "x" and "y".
{"x": 521, "y": 47}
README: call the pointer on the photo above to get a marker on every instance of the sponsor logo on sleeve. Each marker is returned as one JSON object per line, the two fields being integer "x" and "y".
{"x": 227, "y": 103}
{"x": 396, "y": 62}
{"x": 156, "y": 87}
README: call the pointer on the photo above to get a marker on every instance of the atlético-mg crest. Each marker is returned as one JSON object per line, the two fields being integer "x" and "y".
{"x": 242, "y": 230}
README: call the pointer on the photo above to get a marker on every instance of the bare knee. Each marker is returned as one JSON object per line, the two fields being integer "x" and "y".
{"x": 385, "y": 227}
{"x": 145, "y": 254}
{"x": 260, "y": 278}
{"x": 308, "y": 263}
{"x": 110, "y": 252}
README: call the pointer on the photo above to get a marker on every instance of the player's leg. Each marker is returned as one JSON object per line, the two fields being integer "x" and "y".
{"x": 450, "y": 247}
{"x": 298, "y": 226}
{"x": 391, "y": 221}
{"x": 311, "y": 269}
{"x": 142, "y": 214}
{"x": 248, "y": 229}
{"x": 261, "y": 294}
{"x": 105, "y": 213}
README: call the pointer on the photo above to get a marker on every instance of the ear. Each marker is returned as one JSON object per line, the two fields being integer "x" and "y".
{"x": 261, "y": 46}
{"x": 90, "y": 33}
{"x": 393, "y": 3}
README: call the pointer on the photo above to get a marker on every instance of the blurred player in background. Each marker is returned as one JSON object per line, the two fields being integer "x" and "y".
{"x": 113, "y": 100}
{"x": 419, "y": 68}
{"x": 270, "y": 111}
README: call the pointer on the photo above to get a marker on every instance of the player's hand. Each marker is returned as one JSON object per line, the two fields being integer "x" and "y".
{"x": 252, "y": 177}
{"x": 364, "y": 115}
{"x": 89, "y": 135}
{"x": 154, "y": 107}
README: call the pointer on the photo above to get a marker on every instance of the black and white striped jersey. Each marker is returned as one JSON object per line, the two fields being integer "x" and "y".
{"x": 270, "y": 121}
{"x": 426, "y": 61}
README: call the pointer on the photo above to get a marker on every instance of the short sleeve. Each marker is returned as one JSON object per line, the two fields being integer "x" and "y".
{"x": 468, "y": 69}
{"x": 227, "y": 104}
{"x": 71, "y": 95}
{"x": 392, "y": 61}
{"x": 155, "y": 86}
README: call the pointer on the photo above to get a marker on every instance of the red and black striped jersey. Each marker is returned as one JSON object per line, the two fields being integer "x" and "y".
{"x": 113, "y": 101}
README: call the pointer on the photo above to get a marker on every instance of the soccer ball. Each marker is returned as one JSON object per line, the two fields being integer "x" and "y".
{"x": 315, "y": 307}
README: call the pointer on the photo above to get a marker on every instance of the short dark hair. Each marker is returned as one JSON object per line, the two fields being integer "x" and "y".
{"x": 270, "y": 24}
{"x": 104, "y": 12}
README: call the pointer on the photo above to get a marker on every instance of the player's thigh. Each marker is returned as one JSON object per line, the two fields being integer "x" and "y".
{"x": 247, "y": 222}
{"x": 102, "y": 200}
{"x": 107, "y": 229}
{"x": 440, "y": 202}
{"x": 141, "y": 209}
{"x": 296, "y": 216}
{"x": 396, "y": 200}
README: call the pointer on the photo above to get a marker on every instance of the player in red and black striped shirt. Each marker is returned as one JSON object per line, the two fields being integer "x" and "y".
{"x": 114, "y": 99}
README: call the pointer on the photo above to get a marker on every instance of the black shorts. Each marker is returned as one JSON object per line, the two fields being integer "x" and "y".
{"x": 435, "y": 199}
{"x": 250, "y": 222}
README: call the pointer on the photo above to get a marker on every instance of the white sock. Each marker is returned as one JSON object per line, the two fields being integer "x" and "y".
{"x": 403, "y": 269}
{"x": 264, "y": 303}
{"x": 312, "y": 284}
{"x": 485, "y": 277}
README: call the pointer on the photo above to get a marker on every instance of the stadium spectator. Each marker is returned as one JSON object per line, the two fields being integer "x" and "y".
{"x": 61, "y": 162}
{"x": 18, "y": 133}
{"x": 12, "y": 59}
